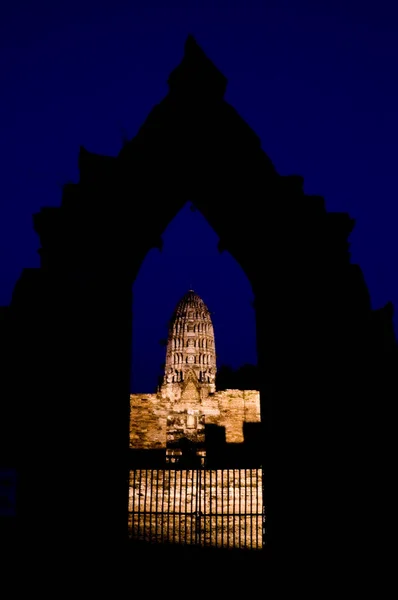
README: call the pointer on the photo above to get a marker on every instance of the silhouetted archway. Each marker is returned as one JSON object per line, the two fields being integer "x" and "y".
{"x": 318, "y": 340}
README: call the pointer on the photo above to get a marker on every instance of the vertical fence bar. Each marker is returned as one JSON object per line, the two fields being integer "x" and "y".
{"x": 142, "y": 503}
{"x": 200, "y": 506}
{"x": 238, "y": 534}
{"x": 186, "y": 504}
{"x": 222, "y": 507}
{"x": 150, "y": 507}
{"x": 257, "y": 508}
{"x": 228, "y": 508}
{"x": 195, "y": 512}
{"x": 162, "y": 517}
{"x": 245, "y": 508}
{"x": 248, "y": 492}
{"x": 139, "y": 504}
{"x": 138, "y": 476}
{"x": 189, "y": 506}
{"x": 145, "y": 493}
{"x": 233, "y": 518}
{"x": 251, "y": 508}
{"x": 197, "y": 500}
{"x": 195, "y": 474}
{"x": 192, "y": 505}
{"x": 174, "y": 503}
{"x": 197, "y": 519}
{"x": 216, "y": 503}
{"x": 187, "y": 524}
{"x": 263, "y": 516}
{"x": 168, "y": 504}
{"x": 180, "y": 511}
{"x": 156, "y": 503}
{"x": 210, "y": 507}
{"x": 133, "y": 506}
{"x": 204, "y": 507}
{"x": 264, "y": 540}
{"x": 239, "y": 497}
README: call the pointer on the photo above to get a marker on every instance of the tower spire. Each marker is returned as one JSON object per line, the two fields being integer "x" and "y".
{"x": 190, "y": 353}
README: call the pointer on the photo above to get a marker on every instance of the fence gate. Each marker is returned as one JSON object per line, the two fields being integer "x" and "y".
{"x": 221, "y": 508}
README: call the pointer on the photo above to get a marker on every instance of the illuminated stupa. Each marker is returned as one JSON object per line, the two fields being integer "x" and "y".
{"x": 187, "y": 410}
{"x": 190, "y": 367}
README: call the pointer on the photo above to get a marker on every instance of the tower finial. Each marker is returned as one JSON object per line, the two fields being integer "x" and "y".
{"x": 196, "y": 76}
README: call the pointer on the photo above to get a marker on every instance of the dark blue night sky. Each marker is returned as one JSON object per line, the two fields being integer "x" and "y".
{"x": 317, "y": 81}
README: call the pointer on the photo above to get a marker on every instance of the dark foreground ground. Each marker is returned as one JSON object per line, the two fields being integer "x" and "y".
{"x": 207, "y": 555}
{"x": 200, "y": 572}
{"x": 139, "y": 570}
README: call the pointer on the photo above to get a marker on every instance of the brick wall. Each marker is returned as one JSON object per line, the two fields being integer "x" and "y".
{"x": 150, "y": 415}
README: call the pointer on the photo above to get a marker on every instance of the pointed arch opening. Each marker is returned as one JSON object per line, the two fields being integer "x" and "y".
{"x": 190, "y": 257}
{"x": 197, "y": 367}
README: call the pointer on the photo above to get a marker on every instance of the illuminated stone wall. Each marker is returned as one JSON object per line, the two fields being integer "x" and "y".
{"x": 155, "y": 421}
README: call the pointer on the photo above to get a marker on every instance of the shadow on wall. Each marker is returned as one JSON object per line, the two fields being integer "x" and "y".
{"x": 223, "y": 455}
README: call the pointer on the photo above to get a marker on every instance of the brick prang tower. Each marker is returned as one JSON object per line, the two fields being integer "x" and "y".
{"x": 191, "y": 352}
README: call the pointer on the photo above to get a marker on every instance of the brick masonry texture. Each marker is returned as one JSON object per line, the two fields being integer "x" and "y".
{"x": 154, "y": 420}
{"x": 187, "y": 400}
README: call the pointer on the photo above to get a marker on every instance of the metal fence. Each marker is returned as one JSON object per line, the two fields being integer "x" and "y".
{"x": 220, "y": 508}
